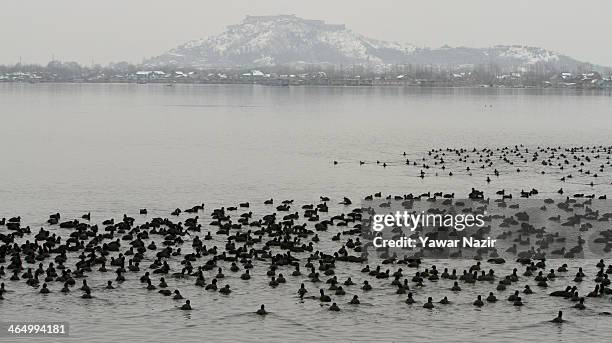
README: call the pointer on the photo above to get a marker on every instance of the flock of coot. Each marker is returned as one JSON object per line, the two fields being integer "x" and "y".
{"x": 218, "y": 248}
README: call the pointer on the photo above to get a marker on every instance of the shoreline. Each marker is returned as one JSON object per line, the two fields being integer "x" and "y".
{"x": 607, "y": 90}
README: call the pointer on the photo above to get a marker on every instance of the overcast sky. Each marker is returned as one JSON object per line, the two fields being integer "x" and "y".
{"x": 129, "y": 30}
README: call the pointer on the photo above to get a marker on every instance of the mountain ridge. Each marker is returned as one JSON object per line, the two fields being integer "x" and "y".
{"x": 288, "y": 40}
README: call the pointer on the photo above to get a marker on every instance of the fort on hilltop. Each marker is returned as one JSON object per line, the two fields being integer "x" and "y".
{"x": 251, "y": 19}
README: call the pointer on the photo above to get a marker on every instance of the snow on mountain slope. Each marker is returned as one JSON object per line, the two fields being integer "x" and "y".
{"x": 283, "y": 39}
{"x": 288, "y": 39}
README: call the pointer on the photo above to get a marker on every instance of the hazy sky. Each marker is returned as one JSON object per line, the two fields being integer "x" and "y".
{"x": 116, "y": 30}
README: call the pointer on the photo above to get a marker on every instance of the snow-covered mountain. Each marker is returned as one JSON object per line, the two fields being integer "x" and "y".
{"x": 289, "y": 40}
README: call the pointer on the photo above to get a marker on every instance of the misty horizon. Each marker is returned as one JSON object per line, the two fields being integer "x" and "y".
{"x": 152, "y": 31}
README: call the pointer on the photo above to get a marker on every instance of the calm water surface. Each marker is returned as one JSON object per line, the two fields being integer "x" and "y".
{"x": 112, "y": 149}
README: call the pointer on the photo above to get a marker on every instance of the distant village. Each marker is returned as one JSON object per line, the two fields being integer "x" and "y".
{"x": 354, "y": 75}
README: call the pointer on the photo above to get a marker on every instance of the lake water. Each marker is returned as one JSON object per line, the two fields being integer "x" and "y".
{"x": 115, "y": 148}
